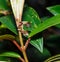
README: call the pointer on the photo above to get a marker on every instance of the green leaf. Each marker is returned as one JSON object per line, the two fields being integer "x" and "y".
{"x": 53, "y": 58}
{"x": 46, "y": 24}
{"x": 37, "y": 56}
{"x": 10, "y": 54}
{"x": 46, "y": 53}
{"x": 3, "y": 59}
{"x": 8, "y": 21}
{"x": 2, "y": 26}
{"x": 58, "y": 26}
{"x": 4, "y": 5}
{"x": 55, "y": 10}
{"x": 7, "y": 37}
{"x": 38, "y": 43}
{"x": 31, "y": 16}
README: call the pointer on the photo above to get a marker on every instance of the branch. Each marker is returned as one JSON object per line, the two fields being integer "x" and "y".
{"x": 27, "y": 43}
{"x": 22, "y": 59}
{"x": 17, "y": 45}
{"x": 17, "y": 7}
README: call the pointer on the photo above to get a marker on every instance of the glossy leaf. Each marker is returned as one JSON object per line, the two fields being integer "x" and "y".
{"x": 10, "y": 54}
{"x": 8, "y": 21}
{"x": 46, "y": 24}
{"x": 38, "y": 43}
{"x": 55, "y": 10}
{"x": 31, "y": 16}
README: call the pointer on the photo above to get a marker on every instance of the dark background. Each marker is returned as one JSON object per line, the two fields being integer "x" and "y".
{"x": 40, "y": 6}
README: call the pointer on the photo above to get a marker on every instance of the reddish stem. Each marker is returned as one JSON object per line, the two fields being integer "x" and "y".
{"x": 22, "y": 59}
{"x": 17, "y": 45}
{"x": 27, "y": 43}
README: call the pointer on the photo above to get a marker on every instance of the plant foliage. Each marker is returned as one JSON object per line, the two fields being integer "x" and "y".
{"x": 35, "y": 27}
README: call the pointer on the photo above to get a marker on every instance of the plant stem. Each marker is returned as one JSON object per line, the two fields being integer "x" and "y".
{"x": 17, "y": 45}
{"x": 23, "y": 48}
{"x": 20, "y": 34}
{"x": 27, "y": 43}
{"x": 21, "y": 59}
{"x": 17, "y": 6}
